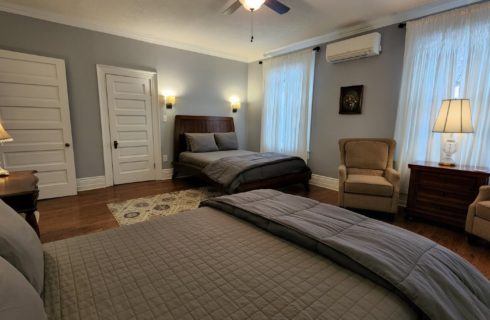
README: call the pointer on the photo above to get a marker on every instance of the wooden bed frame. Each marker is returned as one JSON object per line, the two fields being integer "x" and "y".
{"x": 206, "y": 124}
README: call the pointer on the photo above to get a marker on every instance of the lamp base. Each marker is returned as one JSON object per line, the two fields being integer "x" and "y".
{"x": 450, "y": 148}
{"x": 447, "y": 164}
{"x": 4, "y": 172}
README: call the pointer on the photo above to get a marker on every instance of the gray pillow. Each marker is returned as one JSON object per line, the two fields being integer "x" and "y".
{"x": 18, "y": 299}
{"x": 226, "y": 140}
{"x": 20, "y": 246}
{"x": 201, "y": 142}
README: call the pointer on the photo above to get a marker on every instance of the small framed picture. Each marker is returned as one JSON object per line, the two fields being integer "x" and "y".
{"x": 351, "y": 100}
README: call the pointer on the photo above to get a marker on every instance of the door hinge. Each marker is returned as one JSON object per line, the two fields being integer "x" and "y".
{"x": 154, "y": 166}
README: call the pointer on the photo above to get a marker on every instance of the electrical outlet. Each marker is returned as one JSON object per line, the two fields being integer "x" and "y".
{"x": 164, "y": 118}
{"x": 165, "y": 158}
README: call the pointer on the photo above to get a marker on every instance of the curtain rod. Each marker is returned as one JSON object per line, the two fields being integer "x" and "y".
{"x": 316, "y": 49}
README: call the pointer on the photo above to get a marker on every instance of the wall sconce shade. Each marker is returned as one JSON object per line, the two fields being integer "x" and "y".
{"x": 235, "y": 103}
{"x": 454, "y": 117}
{"x": 235, "y": 106}
{"x": 169, "y": 101}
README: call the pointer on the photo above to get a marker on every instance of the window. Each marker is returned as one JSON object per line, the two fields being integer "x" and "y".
{"x": 288, "y": 91}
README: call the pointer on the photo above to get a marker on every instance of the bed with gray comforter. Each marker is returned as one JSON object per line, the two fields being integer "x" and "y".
{"x": 211, "y": 263}
{"x": 232, "y": 168}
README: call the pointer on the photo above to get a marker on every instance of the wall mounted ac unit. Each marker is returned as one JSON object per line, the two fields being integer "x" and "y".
{"x": 355, "y": 48}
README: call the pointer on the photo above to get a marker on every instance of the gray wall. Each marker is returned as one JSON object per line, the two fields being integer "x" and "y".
{"x": 381, "y": 77}
{"x": 202, "y": 83}
{"x": 254, "y": 103}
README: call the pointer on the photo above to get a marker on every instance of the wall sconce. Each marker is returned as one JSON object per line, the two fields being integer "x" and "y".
{"x": 235, "y": 103}
{"x": 169, "y": 101}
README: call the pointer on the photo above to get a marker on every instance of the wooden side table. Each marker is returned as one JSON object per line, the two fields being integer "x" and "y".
{"x": 19, "y": 190}
{"x": 443, "y": 194}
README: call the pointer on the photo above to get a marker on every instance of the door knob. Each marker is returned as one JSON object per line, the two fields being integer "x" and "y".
{"x": 115, "y": 144}
{"x": 67, "y": 144}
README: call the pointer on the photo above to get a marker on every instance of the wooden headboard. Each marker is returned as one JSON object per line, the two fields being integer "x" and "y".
{"x": 198, "y": 124}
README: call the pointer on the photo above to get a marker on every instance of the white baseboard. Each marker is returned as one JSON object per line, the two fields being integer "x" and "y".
{"x": 167, "y": 174}
{"x": 324, "y": 182}
{"x": 402, "y": 202}
{"x": 91, "y": 183}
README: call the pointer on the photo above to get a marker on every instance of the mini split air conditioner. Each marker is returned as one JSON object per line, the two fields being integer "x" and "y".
{"x": 355, "y": 48}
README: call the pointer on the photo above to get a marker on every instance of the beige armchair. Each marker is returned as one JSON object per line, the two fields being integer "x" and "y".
{"x": 478, "y": 218}
{"x": 367, "y": 179}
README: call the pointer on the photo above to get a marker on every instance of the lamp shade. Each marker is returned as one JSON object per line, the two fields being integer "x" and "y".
{"x": 4, "y": 135}
{"x": 454, "y": 117}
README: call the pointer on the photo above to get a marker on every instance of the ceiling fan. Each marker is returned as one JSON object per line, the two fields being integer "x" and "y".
{"x": 254, "y": 5}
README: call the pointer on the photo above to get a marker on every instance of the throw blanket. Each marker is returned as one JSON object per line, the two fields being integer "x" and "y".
{"x": 225, "y": 171}
{"x": 438, "y": 281}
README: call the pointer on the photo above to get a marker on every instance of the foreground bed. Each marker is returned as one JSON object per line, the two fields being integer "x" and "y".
{"x": 232, "y": 170}
{"x": 211, "y": 263}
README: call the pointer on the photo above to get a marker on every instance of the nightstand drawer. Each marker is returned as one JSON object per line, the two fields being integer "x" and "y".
{"x": 442, "y": 194}
{"x": 459, "y": 184}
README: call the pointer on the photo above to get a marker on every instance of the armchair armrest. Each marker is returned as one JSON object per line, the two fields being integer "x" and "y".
{"x": 484, "y": 194}
{"x": 342, "y": 173}
{"x": 393, "y": 177}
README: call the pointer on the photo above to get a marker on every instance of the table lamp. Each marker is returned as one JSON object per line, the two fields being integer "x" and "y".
{"x": 4, "y": 137}
{"x": 454, "y": 117}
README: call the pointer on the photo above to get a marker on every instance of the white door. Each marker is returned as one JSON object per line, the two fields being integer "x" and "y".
{"x": 34, "y": 109}
{"x": 129, "y": 101}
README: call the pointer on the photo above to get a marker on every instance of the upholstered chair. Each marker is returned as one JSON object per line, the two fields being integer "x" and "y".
{"x": 478, "y": 218}
{"x": 367, "y": 179}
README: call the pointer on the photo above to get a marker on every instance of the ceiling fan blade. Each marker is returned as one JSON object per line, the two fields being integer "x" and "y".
{"x": 232, "y": 8}
{"x": 277, "y": 6}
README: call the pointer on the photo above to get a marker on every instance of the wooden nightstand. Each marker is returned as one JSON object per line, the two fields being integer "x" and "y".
{"x": 443, "y": 194}
{"x": 19, "y": 190}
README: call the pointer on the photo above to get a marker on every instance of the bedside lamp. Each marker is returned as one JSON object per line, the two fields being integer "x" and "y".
{"x": 454, "y": 117}
{"x": 4, "y": 137}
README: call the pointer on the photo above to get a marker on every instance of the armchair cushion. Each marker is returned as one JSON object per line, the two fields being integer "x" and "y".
{"x": 369, "y": 185}
{"x": 483, "y": 210}
{"x": 366, "y": 155}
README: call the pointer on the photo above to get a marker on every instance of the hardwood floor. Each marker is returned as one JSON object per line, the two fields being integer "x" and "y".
{"x": 87, "y": 212}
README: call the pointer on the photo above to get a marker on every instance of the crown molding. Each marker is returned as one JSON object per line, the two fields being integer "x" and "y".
{"x": 84, "y": 24}
{"x": 371, "y": 25}
{"x": 332, "y": 36}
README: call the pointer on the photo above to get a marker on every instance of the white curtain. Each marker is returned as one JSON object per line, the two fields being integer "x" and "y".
{"x": 286, "y": 115}
{"x": 446, "y": 56}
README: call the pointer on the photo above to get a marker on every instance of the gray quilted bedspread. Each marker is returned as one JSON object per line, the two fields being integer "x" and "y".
{"x": 230, "y": 172}
{"x": 441, "y": 283}
{"x": 204, "y": 264}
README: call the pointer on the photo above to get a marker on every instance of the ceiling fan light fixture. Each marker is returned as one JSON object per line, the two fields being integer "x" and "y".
{"x": 252, "y": 5}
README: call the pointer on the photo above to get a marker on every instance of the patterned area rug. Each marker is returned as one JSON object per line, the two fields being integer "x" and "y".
{"x": 142, "y": 209}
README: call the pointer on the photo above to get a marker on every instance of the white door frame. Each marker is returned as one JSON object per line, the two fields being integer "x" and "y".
{"x": 102, "y": 71}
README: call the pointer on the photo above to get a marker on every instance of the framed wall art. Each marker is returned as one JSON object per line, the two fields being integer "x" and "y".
{"x": 351, "y": 100}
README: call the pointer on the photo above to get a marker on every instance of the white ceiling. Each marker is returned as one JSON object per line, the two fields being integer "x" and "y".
{"x": 198, "y": 25}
